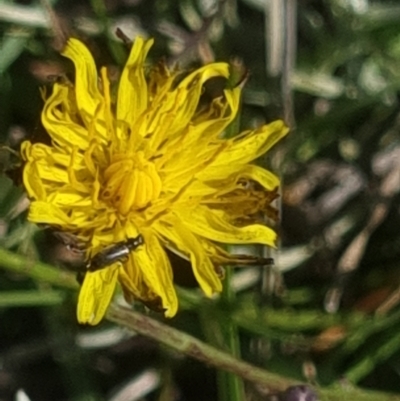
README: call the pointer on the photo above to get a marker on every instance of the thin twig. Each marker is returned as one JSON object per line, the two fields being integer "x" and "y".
{"x": 192, "y": 347}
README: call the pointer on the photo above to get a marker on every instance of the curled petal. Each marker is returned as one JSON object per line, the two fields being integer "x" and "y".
{"x": 264, "y": 177}
{"x": 33, "y": 182}
{"x": 88, "y": 96}
{"x": 57, "y": 119}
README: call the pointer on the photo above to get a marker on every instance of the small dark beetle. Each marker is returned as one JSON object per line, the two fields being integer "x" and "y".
{"x": 114, "y": 253}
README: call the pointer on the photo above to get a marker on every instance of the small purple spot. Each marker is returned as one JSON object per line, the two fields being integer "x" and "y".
{"x": 299, "y": 393}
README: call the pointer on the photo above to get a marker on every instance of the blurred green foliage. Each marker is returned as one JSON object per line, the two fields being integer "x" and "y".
{"x": 332, "y": 316}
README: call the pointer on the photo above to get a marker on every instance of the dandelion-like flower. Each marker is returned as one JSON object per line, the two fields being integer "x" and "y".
{"x": 149, "y": 160}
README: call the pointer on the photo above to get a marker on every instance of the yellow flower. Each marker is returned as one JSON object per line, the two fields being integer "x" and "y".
{"x": 149, "y": 159}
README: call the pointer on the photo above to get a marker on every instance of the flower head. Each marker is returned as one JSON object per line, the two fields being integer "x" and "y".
{"x": 148, "y": 160}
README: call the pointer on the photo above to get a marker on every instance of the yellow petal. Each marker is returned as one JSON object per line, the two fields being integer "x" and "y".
{"x": 189, "y": 90}
{"x": 52, "y": 173}
{"x": 131, "y": 277}
{"x": 26, "y": 150}
{"x": 182, "y": 239}
{"x": 132, "y": 90}
{"x": 200, "y": 136}
{"x": 68, "y": 197}
{"x": 33, "y": 182}
{"x": 157, "y": 271}
{"x": 42, "y": 153}
{"x": 232, "y": 172}
{"x": 204, "y": 73}
{"x": 202, "y": 266}
{"x": 60, "y": 125}
{"x": 47, "y": 213}
{"x": 264, "y": 177}
{"x": 210, "y": 224}
{"x": 253, "y": 144}
{"x": 96, "y": 294}
{"x": 200, "y": 140}
{"x": 188, "y": 167}
{"x": 88, "y": 96}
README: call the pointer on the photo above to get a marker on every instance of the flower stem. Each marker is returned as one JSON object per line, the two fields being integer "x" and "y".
{"x": 230, "y": 386}
{"x": 184, "y": 343}
{"x": 192, "y": 347}
{"x": 37, "y": 270}
{"x": 18, "y": 299}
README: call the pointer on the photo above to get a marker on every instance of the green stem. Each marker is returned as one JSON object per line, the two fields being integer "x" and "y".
{"x": 382, "y": 353}
{"x": 37, "y": 270}
{"x": 230, "y": 386}
{"x": 12, "y": 299}
{"x": 184, "y": 343}
{"x": 192, "y": 347}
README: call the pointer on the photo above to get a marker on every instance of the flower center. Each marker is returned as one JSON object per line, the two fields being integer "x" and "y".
{"x": 130, "y": 182}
